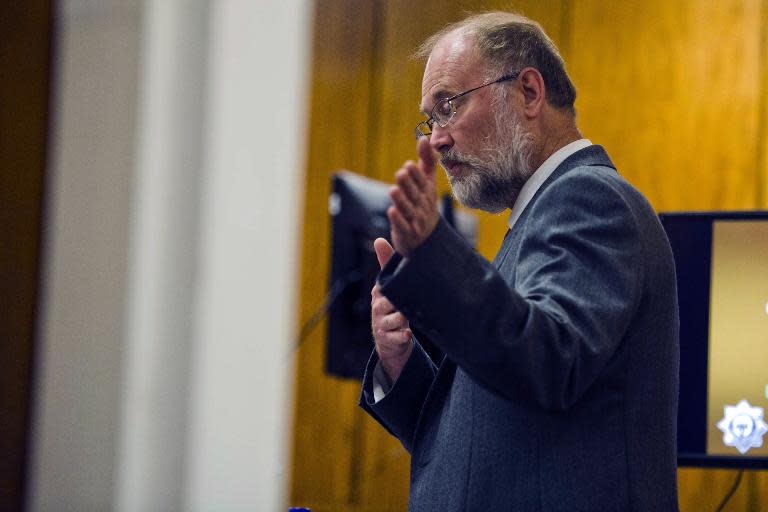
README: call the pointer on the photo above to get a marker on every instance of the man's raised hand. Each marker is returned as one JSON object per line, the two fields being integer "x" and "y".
{"x": 413, "y": 214}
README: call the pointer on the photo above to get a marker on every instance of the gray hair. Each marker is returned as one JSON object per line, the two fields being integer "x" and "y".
{"x": 511, "y": 42}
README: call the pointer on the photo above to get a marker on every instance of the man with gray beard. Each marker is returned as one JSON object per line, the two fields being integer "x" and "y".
{"x": 558, "y": 390}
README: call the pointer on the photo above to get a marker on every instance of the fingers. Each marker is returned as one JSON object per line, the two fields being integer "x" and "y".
{"x": 380, "y": 305}
{"x": 383, "y": 250}
{"x": 393, "y": 322}
{"x": 390, "y": 341}
{"x": 413, "y": 215}
{"x": 403, "y": 203}
{"x": 427, "y": 160}
{"x": 384, "y": 315}
{"x": 411, "y": 194}
{"x": 390, "y": 327}
{"x": 412, "y": 181}
{"x": 399, "y": 225}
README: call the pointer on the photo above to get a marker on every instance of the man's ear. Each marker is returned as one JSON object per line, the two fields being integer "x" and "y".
{"x": 534, "y": 93}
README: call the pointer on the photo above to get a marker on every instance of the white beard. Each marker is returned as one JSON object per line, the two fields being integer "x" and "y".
{"x": 494, "y": 182}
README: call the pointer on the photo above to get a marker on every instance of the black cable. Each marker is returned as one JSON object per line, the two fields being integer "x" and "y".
{"x": 730, "y": 493}
{"x": 339, "y": 286}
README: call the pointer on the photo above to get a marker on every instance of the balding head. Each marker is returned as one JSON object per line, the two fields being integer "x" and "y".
{"x": 507, "y": 42}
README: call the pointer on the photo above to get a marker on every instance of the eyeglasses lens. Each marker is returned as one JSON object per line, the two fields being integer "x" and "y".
{"x": 443, "y": 112}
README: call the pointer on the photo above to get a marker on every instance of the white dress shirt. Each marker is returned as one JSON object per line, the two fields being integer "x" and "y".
{"x": 381, "y": 382}
{"x": 538, "y": 178}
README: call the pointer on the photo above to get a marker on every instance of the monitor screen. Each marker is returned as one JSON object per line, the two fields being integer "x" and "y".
{"x": 722, "y": 277}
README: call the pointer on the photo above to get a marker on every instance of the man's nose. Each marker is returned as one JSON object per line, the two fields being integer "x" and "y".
{"x": 441, "y": 139}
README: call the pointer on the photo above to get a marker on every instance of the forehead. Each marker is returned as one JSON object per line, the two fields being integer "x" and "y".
{"x": 452, "y": 67}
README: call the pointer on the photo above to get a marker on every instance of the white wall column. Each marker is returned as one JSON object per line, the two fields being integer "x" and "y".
{"x": 248, "y": 254}
{"x": 165, "y": 216}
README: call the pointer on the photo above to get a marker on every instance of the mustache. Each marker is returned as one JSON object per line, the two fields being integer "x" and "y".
{"x": 457, "y": 157}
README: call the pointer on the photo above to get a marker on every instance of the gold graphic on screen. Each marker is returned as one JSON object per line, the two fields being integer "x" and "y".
{"x": 738, "y": 333}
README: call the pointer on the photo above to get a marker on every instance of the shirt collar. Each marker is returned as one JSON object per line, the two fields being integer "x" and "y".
{"x": 540, "y": 176}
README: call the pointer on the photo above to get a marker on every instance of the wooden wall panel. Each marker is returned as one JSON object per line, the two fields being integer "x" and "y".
{"x": 672, "y": 90}
{"x": 325, "y": 417}
{"x": 675, "y": 91}
{"x": 762, "y": 134}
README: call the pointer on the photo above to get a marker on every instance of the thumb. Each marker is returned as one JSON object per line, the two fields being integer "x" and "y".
{"x": 427, "y": 159}
{"x": 383, "y": 251}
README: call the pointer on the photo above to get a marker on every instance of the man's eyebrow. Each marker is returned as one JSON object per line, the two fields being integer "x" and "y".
{"x": 441, "y": 94}
{"x": 437, "y": 95}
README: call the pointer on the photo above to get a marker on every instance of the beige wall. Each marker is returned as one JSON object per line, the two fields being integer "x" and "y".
{"x": 78, "y": 359}
{"x": 676, "y": 92}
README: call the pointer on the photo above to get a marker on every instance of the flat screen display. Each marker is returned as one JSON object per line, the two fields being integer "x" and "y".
{"x": 722, "y": 277}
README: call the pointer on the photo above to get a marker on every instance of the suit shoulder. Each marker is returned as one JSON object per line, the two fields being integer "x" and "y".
{"x": 593, "y": 175}
{"x": 601, "y": 183}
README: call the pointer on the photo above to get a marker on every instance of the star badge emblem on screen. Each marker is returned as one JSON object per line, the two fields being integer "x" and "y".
{"x": 743, "y": 426}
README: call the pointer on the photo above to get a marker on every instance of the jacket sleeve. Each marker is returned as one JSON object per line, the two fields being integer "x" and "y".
{"x": 400, "y": 408}
{"x": 545, "y": 335}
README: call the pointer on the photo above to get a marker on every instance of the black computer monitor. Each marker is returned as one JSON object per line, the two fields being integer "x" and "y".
{"x": 358, "y": 207}
{"x": 722, "y": 278}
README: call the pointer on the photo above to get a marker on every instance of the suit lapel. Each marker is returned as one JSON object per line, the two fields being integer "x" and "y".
{"x": 594, "y": 155}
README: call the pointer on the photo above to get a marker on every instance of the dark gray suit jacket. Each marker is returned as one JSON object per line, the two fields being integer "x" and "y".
{"x": 558, "y": 391}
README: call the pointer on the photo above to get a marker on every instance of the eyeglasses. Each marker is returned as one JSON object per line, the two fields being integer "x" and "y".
{"x": 444, "y": 110}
